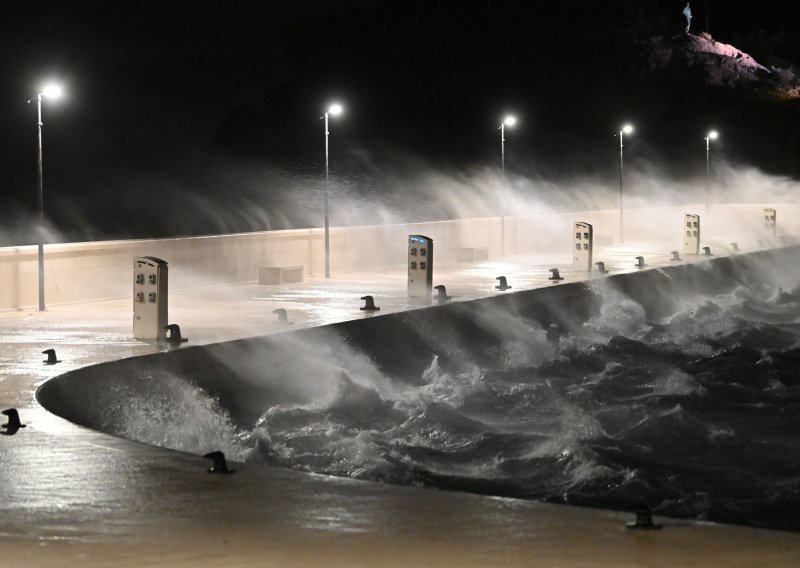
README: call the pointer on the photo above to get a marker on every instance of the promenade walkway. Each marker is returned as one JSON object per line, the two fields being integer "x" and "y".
{"x": 70, "y": 496}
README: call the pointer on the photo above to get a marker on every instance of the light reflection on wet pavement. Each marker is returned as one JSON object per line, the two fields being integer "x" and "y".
{"x": 74, "y": 497}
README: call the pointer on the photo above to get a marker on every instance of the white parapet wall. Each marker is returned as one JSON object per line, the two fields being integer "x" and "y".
{"x": 80, "y": 272}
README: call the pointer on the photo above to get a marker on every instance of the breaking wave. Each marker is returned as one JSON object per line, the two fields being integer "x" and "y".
{"x": 695, "y": 414}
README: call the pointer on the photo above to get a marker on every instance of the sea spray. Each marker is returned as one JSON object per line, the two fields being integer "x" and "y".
{"x": 694, "y": 413}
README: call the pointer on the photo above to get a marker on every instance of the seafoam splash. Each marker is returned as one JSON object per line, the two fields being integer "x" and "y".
{"x": 695, "y": 413}
{"x": 166, "y": 411}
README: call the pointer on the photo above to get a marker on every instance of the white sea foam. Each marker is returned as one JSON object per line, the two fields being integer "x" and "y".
{"x": 619, "y": 315}
{"x": 677, "y": 383}
{"x": 174, "y": 414}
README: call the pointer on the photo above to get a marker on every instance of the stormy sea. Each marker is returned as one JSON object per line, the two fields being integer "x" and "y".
{"x": 691, "y": 409}
{"x": 696, "y": 416}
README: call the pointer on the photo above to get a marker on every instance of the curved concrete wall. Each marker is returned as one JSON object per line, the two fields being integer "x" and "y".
{"x": 249, "y": 375}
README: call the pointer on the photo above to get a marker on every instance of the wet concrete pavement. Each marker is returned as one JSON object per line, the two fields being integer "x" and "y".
{"x": 74, "y": 497}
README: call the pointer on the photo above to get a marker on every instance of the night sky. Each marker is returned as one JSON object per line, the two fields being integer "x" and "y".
{"x": 190, "y": 94}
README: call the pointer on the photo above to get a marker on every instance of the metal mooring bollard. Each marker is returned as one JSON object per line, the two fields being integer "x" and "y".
{"x": 51, "y": 357}
{"x": 220, "y": 465}
{"x": 442, "y": 296}
{"x": 174, "y": 334}
{"x": 644, "y": 519}
{"x": 369, "y": 304}
{"x": 502, "y": 284}
{"x": 283, "y": 318}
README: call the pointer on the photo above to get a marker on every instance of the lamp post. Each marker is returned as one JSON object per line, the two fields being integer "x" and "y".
{"x": 50, "y": 92}
{"x": 333, "y": 110}
{"x": 709, "y": 137}
{"x": 507, "y": 121}
{"x": 627, "y": 129}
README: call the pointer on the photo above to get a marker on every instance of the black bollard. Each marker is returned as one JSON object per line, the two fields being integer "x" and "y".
{"x": 13, "y": 424}
{"x": 283, "y": 318}
{"x": 220, "y": 465}
{"x": 442, "y": 296}
{"x": 174, "y": 334}
{"x": 644, "y": 519}
{"x": 51, "y": 357}
{"x": 502, "y": 284}
{"x": 369, "y": 304}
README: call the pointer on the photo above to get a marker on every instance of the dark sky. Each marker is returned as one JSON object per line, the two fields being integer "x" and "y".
{"x": 155, "y": 86}
{"x": 148, "y": 83}
{"x": 140, "y": 73}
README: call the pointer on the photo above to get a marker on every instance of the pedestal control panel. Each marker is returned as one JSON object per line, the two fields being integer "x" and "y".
{"x": 582, "y": 246}
{"x": 770, "y": 222}
{"x": 691, "y": 234}
{"x": 150, "y": 298}
{"x": 420, "y": 266}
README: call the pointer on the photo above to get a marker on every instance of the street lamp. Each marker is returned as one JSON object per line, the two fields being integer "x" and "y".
{"x": 334, "y": 110}
{"x": 709, "y": 137}
{"x": 627, "y": 129}
{"x": 507, "y": 121}
{"x": 50, "y": 91}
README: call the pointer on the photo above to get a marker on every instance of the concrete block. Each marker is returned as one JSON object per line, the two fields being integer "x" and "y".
{"x": 473, "y": 254}
{"x": 280, "y": 274}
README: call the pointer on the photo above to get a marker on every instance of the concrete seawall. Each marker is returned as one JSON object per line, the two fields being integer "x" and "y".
{"x": 81, "y": 272}
{"x": 76, "y": 497}
{"x": 249, "y": 375}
